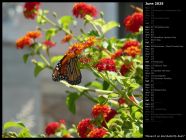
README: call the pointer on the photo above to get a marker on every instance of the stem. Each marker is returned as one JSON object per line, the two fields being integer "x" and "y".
{"x": 136, "y": 8}
{"x": 53, "y": 23}
{"x": 95, "y": 28}
{"x": 48, "y": 20}
{"x": 110, "y": 83}
{"x": 89, "y": 97}
{"x": 46, "y": 61}
{"x": 81, "y": 88}
{"x": 125, "y": 95}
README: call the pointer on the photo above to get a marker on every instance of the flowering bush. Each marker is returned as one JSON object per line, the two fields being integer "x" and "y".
{"x": 116, "y": 63}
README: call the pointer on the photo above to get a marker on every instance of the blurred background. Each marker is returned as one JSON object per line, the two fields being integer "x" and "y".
{"x": 37, "y": 101}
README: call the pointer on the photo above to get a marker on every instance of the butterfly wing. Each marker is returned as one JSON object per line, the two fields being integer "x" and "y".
{"x": 73, "y": 72}
{"x": 67, "y": 69}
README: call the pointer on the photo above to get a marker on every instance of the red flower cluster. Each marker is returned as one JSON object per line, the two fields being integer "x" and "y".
{"x": 106, "y": 64}
{"x": 52, "y": 127}
{"x": 23, "y": 41}
{"x": 84, "y": 127}
{"x": 133, "y": 22}
{"x": 125, "y": 68}
{"x": 77, "y": 48}
{"x": 82, "y": 9}
{"x": 34, "y": 34}
{"x": 132, "y": 48}
{"x": 130, "y": 43}
{"x": 87, "y": 127}
{"x": 97, "y": 133}
{"x": 67, "y": 38}
{"x": 123, "y": 101}
{"x": 27, "y": 40}
{"x": 30, "y": 9}
{"x": 110, "y": 115}
{"x": 49, "y": 43}
{"x": 100, "y": 110}
{"x": 132, "y": 51}
{"x": 117, "y": 54}
{"x": 104, "y": 111}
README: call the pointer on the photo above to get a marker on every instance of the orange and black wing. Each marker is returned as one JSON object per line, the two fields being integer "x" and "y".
{"x": 67, "y": 69}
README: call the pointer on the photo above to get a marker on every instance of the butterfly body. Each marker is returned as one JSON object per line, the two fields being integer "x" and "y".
{"x": 67, "y": 69}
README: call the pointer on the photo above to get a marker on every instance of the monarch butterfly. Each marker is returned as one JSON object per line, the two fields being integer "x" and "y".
{"x": 67, "y": 69}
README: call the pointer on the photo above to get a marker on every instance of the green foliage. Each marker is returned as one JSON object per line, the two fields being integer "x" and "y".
{"x": 25, "y": 58}
{"x": 40, "y": 18}
{"x": 108, "y": 86}
{"x": 50, "y": 33}
{"x": 39, "y": 66}
{"x": 102, "y": 100}
{"x": 71, "y": 101}
{"x": 110, "y": 25}
{"x": 55, "y": 59}
{"x": 23, "y": 132}
{"x": 10, "y": 124}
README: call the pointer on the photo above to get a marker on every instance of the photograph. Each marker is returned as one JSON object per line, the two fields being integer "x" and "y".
{"x": 72, "y": 69}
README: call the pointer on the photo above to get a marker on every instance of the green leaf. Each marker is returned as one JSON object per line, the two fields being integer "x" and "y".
{"x": 114, "y": 121}
{"x": 93, "y": 33}
{"x": 112, "y": 95}
{"x": 102, "y": 100}
{"x": 39, "y": 66}
{"x": 40, "y": 19}
{"x": 101, "y": 14}
{"x": 105, "y": 85}
{"x": 65, "y": 21}
{"x": 50, "y": 33}
{"x": 24, "y": 133}
{"x": 71, "y": 101}
{"x": 25, "y": 58}
{"x": 111, "y": 75}
{"x": 110, "y": 25}
{"x": 100, "y": 22}
{"x": 37, "y": 48}
{"x": 54, "y": 14}
{"x": 55, "y": 59}
{"x": 138, "y": 115}
{"x": 88, "y": 18}
{"x": 94, "y": 84}
{"x": 13, "y": 124}
{"x": 136, "y": 134}
{"x": 134, "y": 109}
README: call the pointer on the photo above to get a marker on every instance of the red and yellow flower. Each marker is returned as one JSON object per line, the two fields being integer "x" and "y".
{"x": 105, "y": 111}
{"x": 49, "y": 43}
{"x": 131, "y": 48}
{"x": 132, "y": 51}
{"x": 51, "y": 128}
{"x": 82, "y": 9}
{"x": 23, "y": 41}
{"x": 34, "y": 34}
{"x": 78, "y": 48}
{"x": 125, "y": 68}
{"x": 30, "y": 9}
{"x": 97, "y": 133}
{"x": 133, "y": 22}
{"x": 66, "y": 38}
{"x": 106, "y": 64}
{"x": 84, "y": 127}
